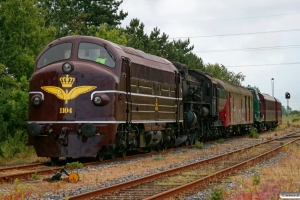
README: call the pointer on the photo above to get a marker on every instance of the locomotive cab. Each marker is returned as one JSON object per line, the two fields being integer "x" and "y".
{"x": 90, "y": 97}
{"x": 70, "y": 98}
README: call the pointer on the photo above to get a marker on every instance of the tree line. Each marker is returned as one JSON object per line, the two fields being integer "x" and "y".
{"x": 27, "y": 26}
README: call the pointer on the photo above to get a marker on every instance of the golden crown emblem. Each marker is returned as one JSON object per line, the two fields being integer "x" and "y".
{"x": 67, "y": 81}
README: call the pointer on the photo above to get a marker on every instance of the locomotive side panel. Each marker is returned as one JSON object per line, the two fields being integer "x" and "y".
{"x": 268, "y": 107}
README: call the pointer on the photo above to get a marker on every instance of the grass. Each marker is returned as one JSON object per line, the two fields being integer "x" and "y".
{"x": 24, "y": 157}
{"x": 293, "y": 120}
{"x": 198, "y": 144}
{"x": 253, "y": 133}
{"x": 36, "y": 176}
{"x": 18, "y": 192}
{"x": 74, "y": 165}
{"x": 158, "y": 157}
{"x": 270, "y": 181}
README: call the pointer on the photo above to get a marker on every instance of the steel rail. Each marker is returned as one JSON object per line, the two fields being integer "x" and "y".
{"x": 217, "y": 175}
{"x": 122, "y": 186}
{"x": 50, "y": 170}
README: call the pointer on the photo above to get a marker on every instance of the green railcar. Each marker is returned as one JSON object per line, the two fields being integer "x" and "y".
{"x": 258, "y": 120}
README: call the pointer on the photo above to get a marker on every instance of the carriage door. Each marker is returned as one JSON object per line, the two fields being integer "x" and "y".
{"x": 214, "y": 100}
{"x": 177, "y": 102}
{"x": 126, "y": 67}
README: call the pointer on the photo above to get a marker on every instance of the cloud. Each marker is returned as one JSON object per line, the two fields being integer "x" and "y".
{"x": 207, "y": 18}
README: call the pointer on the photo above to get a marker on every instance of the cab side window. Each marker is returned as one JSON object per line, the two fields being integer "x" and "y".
{"x": 54, "y": 54}
{"x": 96, "y": 53}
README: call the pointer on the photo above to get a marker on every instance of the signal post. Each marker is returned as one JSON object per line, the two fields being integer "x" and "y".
{"x": 287, "y": 96}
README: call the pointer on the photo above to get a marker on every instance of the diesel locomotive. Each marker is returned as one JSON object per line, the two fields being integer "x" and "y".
{"x": 80, "y": 107}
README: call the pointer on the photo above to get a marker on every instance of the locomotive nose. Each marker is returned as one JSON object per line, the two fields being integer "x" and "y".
{"x": 34, "y": 129}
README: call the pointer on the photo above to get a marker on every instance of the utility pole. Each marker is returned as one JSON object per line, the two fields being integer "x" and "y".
{"x": 272, "y": 82}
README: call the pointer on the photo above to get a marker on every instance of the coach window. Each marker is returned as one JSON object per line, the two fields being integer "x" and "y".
{"x": 96, "y": 53}
{"x": 55, "y": 53}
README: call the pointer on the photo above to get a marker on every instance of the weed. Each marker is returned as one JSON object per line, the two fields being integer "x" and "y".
{"x": 74, "y": 165}
{"x": 198, "y": 144}
{"x": 217, "y": 194}
{"x": 158, "y": 157}
{"x": 164, "y": 152}
{"x": 97, "y": 179}
{"x": 275, "y": 134}
{"x": 36, "y": 176}
{"x": 18, "y": 192}
{"x": 253, "y": 133}
{"x": 240, "y": 181}
{"x": 221, "y": 140}
{"x": 256, "y": 178}
{"x": 269, "y": 138}
{"x": 83, "y": 176}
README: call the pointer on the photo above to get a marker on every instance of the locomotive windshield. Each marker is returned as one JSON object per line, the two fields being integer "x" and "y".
{"x": 96, "y": 53}
{"x": 54, "y": 54}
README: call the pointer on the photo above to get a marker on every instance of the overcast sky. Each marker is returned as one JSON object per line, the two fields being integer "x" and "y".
{"x": 259, "y": 38}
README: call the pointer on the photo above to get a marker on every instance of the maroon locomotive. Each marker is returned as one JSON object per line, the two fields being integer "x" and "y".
{"x": 89, "y": 97}
{"x": 83, "y": 108}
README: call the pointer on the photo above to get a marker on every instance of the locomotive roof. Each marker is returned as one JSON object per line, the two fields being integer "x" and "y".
{"x": 267, "y": 96}
{"x": 277, "y": 100}
{"x": 119, "y": 51}
{"x": 233, "y": 88}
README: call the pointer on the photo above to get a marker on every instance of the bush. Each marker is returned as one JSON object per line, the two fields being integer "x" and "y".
{"x": 253, "y": 133}
{"x": 36, "y": 176}
{"x": 13, "y": 145}
{"x": 198, "y": 144}
{"x": 256, "y": 179}
{"x": 217, "y": 194}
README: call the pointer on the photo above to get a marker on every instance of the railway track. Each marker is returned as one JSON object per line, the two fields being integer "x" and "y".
{"x": 183, "y": 179}
{"x": 24, "y": 172}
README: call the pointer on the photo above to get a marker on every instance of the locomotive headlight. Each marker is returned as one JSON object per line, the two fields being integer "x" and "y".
{"x": 97, "y": 100}
{"x": 36, "y": 100}
{"x": 67, "y": 67}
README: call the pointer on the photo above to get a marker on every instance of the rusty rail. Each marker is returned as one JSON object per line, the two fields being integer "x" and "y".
{"x": 122, "y": 186}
